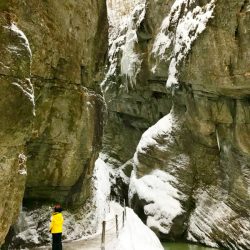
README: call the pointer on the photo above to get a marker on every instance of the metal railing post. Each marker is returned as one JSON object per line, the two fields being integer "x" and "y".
{"x": 123, "y": 218}
{"x": 103, "y": 235}
{"x": 124, "y": 205}
{"x": 109, "y": 202}
{"x": 116, "y": 223}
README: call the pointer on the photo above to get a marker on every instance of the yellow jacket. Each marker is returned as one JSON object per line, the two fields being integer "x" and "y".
{"x": 56, "y": 224}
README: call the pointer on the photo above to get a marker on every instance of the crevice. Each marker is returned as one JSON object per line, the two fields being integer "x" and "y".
{"x": 236, "y": 33}
{"x": 242, "y": 9}
{"x": 84, "y": 74}
{"x": 230, "y": 68}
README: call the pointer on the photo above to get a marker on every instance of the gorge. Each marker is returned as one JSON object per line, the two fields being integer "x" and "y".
{"x": 158, "y": 91}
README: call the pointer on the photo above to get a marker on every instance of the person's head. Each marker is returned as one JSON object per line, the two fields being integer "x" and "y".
{"x": 57, "y": 208}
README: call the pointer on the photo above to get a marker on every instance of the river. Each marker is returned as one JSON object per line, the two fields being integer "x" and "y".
{"x": 184, "y": 246}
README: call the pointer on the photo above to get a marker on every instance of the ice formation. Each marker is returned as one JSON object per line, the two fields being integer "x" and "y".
{"x": 185, "y": 22}
{"x": 122, "y": 40}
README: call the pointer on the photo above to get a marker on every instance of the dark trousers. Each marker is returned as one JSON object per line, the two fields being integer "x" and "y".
{"x": 57, "y": 241}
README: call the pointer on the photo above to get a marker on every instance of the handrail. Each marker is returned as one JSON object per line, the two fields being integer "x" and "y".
{"x": 111, "y": 226}
{"x": 116, "y": 226}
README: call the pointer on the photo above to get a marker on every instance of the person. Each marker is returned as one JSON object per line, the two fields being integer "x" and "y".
{"x": 56, "y": 227}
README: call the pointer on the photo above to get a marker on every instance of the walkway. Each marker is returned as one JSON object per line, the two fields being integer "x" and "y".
{"x": 94, "y": 242}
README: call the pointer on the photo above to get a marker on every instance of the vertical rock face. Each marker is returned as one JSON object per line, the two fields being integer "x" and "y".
{"x": 68, "y": 43}
{"x": 191, "y": 177}
{"x": 16, "y": 109}
{"x": 65, "y": 144}
{"x": 218, "y": 116}
{"x": 133, "y": 101}
{"x": 68, "y": 47}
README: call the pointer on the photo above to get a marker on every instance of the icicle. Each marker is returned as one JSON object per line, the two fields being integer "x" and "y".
{"x": 218, "y": 139}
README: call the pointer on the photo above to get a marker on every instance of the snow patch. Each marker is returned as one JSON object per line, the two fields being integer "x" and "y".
{"x": 164, "y": 126}
{"x": 20, "y": 34}
{"x": 21, "y": 162}
{"x": 22, "y": 171}
{"x": 130, "y": 61}
{"x": 102, "y": 185}
{"x": 162, "y": 198}
{"x": 185, "y": 22}
{"x": 122, "y": 40}
{"x": 28, "y": 90}
{"x": 135, "y": 235}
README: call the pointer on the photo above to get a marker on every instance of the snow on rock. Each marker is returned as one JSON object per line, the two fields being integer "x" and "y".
{"x": 164, "y": 126}
{"x": 27, "y": 230}
{"x": 102, "y": 185}
{"x": 22, "y": 158}
{"x": 114, "y": 172}
{"x": 23, "y": 45}
{"x": 124, "y": 19}
{"x": 28, "y": 90}
{"x": 162, "y": 198}
{"x": 87, "y": 221}
{"x": 135, "y": 235}
{"x": 117, "y": 9}
{"x": 21, "y": 35}
{"x": 130, "y": 61}
{"x": 185, "y": 22}
{"x": 157, "y": 187}
{"x": 213, "y": 219}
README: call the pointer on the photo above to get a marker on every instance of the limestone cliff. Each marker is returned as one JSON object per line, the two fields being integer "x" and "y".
{"x": 177, "y": 91}
{"x": 52, "y": 57}
{"x": 16, "y": 109}
{"x": 191, "y": 173}
{"x": 134, "y": 102}
{"x": 68, "y": 51}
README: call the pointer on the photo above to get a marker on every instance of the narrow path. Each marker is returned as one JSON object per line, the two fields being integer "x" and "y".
{"x": 93, "y": 242}
{"x": 133, "y": 236}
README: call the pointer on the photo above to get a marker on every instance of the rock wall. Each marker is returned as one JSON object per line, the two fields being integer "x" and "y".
{"x": 191, "y": 169}
{"x": 134, "y": 102}
{"x": 17, "y": 110}
{"x": 58, "y": 49}
{"x": 68, "y": 55}
{"x": 177, "y": 93}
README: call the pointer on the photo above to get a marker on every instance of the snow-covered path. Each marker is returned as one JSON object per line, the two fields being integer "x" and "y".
{"x": 133, "y": 236}
{"x": 136, "y": 235}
